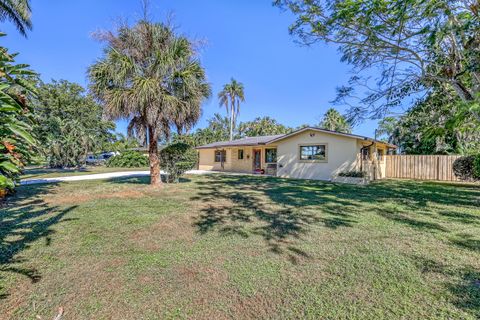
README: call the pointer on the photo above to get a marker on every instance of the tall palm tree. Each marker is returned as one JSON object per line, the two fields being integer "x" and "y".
{"x": 18, "y": 12}
{"x": 152, "y": 77}
{"x": 334, "y": 121}
{"x": 230, "y": 97}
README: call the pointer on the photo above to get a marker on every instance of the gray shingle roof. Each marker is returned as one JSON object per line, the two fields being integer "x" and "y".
{"x": 351, "y": 135}
{"x": 247, "y": 141}
{"x": 253, "y": 141}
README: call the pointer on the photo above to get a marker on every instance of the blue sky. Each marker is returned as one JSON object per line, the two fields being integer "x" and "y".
{"x": 245, "y": 39}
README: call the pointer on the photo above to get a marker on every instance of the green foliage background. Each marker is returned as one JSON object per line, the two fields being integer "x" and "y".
{"x": 16, "y": 139}
{"x": 128, "y": 159}
{"x": 69, "y": 124}
{"x": 177, "y": 158}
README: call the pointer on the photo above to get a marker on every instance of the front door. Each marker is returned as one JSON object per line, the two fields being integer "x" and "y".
{"x": 257, "y": 159}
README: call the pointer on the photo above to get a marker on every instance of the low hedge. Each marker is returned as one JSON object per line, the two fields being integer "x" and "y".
{"x": 476, "y": 167}
{"x": 128, "y": 159}
{"x": 467, "y": 167}
{"x": 352, "y": 174}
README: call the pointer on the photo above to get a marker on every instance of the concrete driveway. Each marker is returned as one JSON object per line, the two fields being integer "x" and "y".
{"x": 100, "y": 176}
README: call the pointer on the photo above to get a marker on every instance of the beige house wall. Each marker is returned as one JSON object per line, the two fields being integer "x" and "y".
{"x": 232, "y": 163}
{"x": 341, "y": 155}
{"x": 368, "y": 166}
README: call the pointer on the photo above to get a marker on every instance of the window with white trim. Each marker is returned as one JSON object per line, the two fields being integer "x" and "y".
{"x": 271, "y": 155}
{"x": 313, "y": 152}
{"x": 380, "y": 154}
{"x": 220, "y": 156}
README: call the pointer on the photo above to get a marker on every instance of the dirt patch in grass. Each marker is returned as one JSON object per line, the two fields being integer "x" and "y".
{"x": 170, "y": 228}
{"x": 258, "y": 306}
{"x": 69, "y": 289}
{"x": 206, "y": 287}
{"x": 16, "y": 298}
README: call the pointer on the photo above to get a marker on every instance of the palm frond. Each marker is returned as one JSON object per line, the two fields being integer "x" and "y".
{"x": 18, "y": 12}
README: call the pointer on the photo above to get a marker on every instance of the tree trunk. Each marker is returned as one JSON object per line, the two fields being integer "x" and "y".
{"x": 462, "y": 91}
{"x": 231, "y": 121}
{"x": 155, "y": 179}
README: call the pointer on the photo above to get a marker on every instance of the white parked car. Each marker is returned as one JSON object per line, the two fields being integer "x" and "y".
{"x": 95, "y": 159}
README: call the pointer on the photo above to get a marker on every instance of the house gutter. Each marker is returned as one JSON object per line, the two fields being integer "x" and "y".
{"x": 361, "y": 153}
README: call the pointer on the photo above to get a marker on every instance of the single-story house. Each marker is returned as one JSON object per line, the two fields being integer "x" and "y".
{"x": 308, "y": 153}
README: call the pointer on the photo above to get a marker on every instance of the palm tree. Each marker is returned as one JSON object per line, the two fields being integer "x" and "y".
{"x": 18, "y": 12}
{"x": 262, "y": 127}
{"x": 152, "y": 77}
{"x": 334, "y": 121}
{"x": 220, "y": 125}
{"x": 230, "y": 97}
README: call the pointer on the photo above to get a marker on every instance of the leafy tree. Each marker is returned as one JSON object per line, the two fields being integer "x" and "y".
{"x": 217, "y": 130}
{"x": 230, "y": 97}
{"x": 120, "y": 143}
{"x": 220, "y": 127}
{"x": 415, "y": 44}
{"x": 178, "y": 158}
{"x": 262, "y": 127}
{"x": 332, "y": 120}
{"x": 68, "y": 124}
{"x": 18, "y": 12}
{"x": 152, "y": 77}
{"x": 16, "y": 140}
{"x": 388, "y": 129}
{"x": 128, "y": 159}
{"x": 437, "y": 124}
{"x": 304, "y": 125}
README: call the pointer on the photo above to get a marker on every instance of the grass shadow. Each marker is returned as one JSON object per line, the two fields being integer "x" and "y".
{"x": 287, "y": 208}
{"x": 239, "y": 205}
{"x": 145, "y": 180}
{"x": 25, "y": 218}
{"x": 463, "y": 283}
{"x": 466, "y": 241}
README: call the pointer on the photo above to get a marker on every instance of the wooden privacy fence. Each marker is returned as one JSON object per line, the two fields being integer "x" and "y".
{"x": 431, "y": 167}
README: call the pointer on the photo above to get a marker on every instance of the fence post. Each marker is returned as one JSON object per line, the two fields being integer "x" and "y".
{"x": 438, "y": 168}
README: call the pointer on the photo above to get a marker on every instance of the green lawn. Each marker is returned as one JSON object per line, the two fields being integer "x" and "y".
{"x": 215, "y": 247}
{"x": 40, "y": 172}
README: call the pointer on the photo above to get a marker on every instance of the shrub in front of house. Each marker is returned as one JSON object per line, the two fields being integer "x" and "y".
{"x": 476, "y": 167}
{"x": 467, "y": 167}
{"x": 128, "y": 159}
{"x": 352, "y": 174}
{"x": 177, "y": 158}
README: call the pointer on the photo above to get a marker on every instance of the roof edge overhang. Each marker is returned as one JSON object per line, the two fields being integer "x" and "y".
{"x": 348, "y": 135}
{"x": 230, "y": 146}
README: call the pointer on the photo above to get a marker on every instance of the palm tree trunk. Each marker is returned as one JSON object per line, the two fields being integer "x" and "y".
{"x": 231, "y": 121}
{"x": 155, "y": 179}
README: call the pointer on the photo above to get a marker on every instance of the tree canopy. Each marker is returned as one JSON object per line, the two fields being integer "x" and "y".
{"x": 152, "y": 77}
{"x": 262, "y": 126}
{"x": 438, "y": 124}
{"x": 218, "y": 129}
{"x": 332, "y": 120}
{"x": 69, "y": 123}
{"x": 414, "y": 45}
